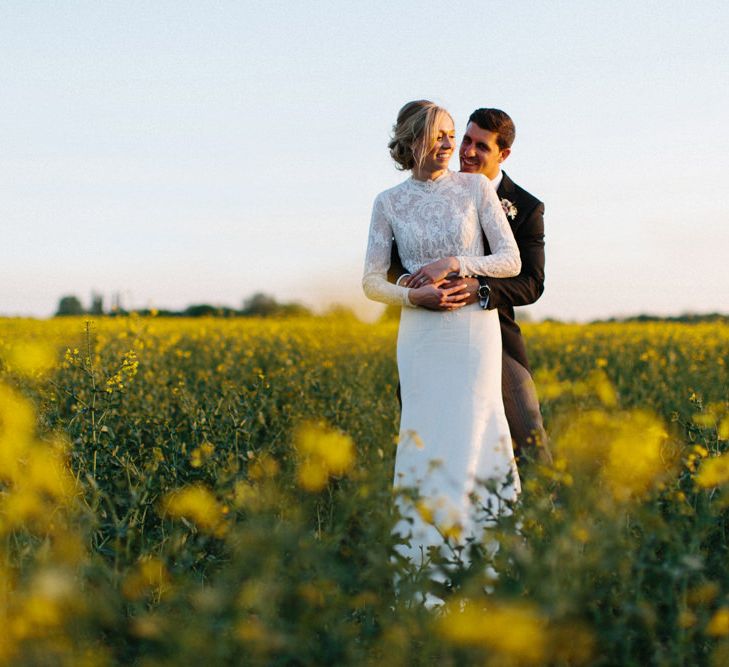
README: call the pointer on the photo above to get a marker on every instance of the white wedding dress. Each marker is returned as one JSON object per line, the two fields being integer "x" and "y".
{"x": 453, "y": 430}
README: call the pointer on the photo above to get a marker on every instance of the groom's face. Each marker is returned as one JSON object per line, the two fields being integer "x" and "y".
{"x": 479, "y": 153}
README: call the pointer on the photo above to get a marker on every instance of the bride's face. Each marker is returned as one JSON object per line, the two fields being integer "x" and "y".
{"x": 440, "y": 154}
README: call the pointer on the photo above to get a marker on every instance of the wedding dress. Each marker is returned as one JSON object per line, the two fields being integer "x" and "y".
{"x": 453, "y": 430}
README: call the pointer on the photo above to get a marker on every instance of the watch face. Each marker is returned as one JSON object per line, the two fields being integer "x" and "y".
{"x": 484, "y": 291}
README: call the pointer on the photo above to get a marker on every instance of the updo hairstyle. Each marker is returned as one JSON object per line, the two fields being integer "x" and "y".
{"x": 413, "y": 135}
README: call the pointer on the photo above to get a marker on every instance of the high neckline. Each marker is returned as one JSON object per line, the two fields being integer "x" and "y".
{"x": 430, "y": 183}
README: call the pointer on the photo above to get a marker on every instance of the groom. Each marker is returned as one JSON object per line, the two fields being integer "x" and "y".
{"x": 485, "y": 145}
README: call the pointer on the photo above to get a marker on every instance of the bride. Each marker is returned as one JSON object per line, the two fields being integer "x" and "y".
{"x": 453, "y": 431}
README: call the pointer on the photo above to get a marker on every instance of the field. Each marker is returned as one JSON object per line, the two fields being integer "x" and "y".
{"x": 218, "y": 492}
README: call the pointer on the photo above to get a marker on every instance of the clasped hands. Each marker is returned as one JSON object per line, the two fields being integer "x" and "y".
{"x": 436, "y": 286}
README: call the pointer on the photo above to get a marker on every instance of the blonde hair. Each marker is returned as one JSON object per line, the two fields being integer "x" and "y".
{"x": 414, "y": 133}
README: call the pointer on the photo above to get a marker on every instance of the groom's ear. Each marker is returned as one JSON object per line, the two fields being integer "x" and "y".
{"x": 504, "y": 154}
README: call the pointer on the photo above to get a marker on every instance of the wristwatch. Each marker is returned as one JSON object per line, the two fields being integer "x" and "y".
{"x": 484, "y": 292}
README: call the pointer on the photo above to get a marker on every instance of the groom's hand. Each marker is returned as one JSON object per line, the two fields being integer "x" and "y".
{"x": 468, "y": 288}
{"x": 438, "y": 296}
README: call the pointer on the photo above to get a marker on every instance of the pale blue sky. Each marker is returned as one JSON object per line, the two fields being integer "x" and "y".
{"x": 187, "y": 152}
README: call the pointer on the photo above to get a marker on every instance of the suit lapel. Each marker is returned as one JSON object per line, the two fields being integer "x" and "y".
{"x": 506, "y": 187}
{"x": 506, "y": 190}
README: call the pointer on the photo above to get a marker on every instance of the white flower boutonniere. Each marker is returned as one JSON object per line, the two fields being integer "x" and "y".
{"x": 509, "y": 208}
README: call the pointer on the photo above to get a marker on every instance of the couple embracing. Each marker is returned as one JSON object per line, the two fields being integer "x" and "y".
{"x": 461, "y": 249}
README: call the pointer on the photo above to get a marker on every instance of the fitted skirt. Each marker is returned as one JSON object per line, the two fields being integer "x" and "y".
{"x": 454, "y": 442}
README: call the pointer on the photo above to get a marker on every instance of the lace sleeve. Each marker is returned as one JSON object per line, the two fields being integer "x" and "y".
{"x": 504, "y": 260}
{"x": 377, "y": 261}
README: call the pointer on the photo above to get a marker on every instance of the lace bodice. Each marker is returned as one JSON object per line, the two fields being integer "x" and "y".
{"x": 435, "y": 219}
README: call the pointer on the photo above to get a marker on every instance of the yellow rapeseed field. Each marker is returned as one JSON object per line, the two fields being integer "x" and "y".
{"x": 175, "y": 491}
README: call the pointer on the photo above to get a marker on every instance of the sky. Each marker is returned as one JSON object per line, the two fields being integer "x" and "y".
{"x": 199, "y": 152}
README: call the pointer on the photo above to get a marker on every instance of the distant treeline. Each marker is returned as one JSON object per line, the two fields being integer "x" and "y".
{"x": 686, "y": 317}
{"x": 263, "y": 305}
{"x": 258, "y": 305}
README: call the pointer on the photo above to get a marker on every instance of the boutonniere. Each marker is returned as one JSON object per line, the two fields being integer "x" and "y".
{"x": 509, "y": 208}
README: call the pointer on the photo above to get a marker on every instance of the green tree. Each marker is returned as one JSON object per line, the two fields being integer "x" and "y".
{"x": 97, "y": 304}
{"x": 70, "y": 305}
{"x": 206, "y": 310}
{"x": 261, "y": 305}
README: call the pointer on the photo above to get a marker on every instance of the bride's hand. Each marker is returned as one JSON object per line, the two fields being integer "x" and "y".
{"x": 434, "y": 272}
{"x": 435, "y": 297}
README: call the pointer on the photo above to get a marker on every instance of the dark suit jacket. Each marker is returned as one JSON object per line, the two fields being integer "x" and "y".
{"x": 527, "y": 287}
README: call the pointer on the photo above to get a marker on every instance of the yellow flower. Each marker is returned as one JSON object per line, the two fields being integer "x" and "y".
{"x": 723, "y": 430}
{"x": 201, "y": 454}
{"x": 516, "y": 631}
{"x": 265, "y": 466}
{"x": 603, "y": 388}
{"x": 550, "y": 387}
{"x": 46, "y": 472}
{"x": 626, "y": 451}
{"x": 17, "y": 421}
{"x": 244, "y": 494}
{"x": 312, "y": 476}
{"x": 51, "y": 596}
{"x": 30, "y": 359}
{"x": 150, "y": 575}
{"x": 714, "y": 471}
{"x": 705, "y": 419}
{"x": 25, "y": 507}
{"x": 635, "y": 459}
{"x": 423, "y": 509}
{"x": 719, "y": 624}
{"x": 334, "y": 449}
{"x": 451, "y": 531}
{"x": 323, "y": 452}
{"x": 199, "y": 505}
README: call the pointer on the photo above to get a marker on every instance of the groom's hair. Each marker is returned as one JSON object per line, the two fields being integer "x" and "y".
{"x": 497, "y": 121}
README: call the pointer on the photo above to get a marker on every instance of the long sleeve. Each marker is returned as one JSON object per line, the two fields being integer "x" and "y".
{"x": 377, "y": 261}
{"x": 504, "y": 260}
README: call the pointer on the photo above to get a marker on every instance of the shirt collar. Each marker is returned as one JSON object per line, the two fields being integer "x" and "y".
{"x": 496, "y": 181}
